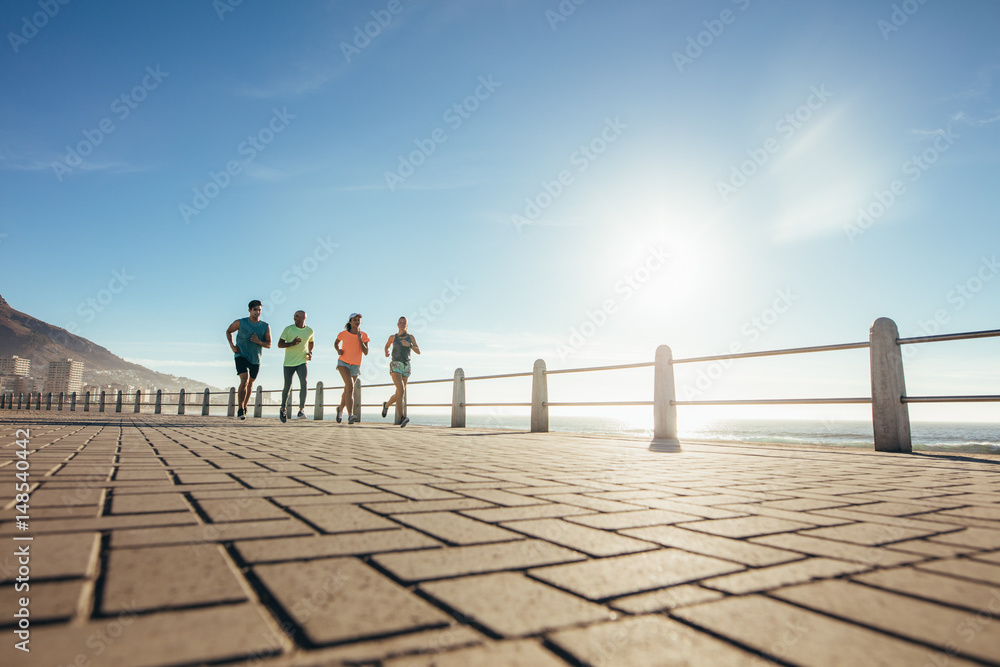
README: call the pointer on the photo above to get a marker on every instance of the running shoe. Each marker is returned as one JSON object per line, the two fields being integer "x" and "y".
{"x": 338, "y": 414}
{"x": 282, "y": 415}
{"x": 351, "y": 419}
{"x": 241, "y": 413}
{"x": 406, "y": 420}
{"x": 301, "y": 415}
{"x": 385, "y": 409}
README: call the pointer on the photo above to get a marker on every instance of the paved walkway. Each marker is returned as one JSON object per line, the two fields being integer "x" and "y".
{"x": 163, "y": 540}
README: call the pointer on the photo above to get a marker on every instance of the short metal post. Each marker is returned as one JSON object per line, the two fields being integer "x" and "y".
{"x": 158, "y": 405}
{"x": 60, "y": 401}
{"x": 204, "y": 403}
{"x": 118, "y": 401}
{"x": 180, "y": 402}
{"x": 100, "y": 405}
{"x": 138, "y": 401}
{"x": 38, "y": 401}
{"x": 318, "y": 407}
{"x": 664, "y": 395}
{"x": 48, "y": 401}
{"x": 72, "y": 402}
{"x": 86, "y": 402}
{"x": 258, "y": 404}
{"x": 357, "y": 398}
{"x": 231, "y": 410}
{"x": 539, "y": 398}
{"x": 458, "y": 399}
{"x": 890, "y": 415}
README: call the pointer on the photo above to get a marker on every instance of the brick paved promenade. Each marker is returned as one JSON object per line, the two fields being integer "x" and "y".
{"x": 163, "y": 540}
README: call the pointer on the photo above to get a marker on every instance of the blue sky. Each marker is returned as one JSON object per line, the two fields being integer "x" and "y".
{"x": 578, "y": 181}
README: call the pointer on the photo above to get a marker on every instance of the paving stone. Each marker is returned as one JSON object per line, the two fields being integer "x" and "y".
{"x": 871, "y": 534}
{"x": 213, "y": 532}
{"x": 665, "y": 598}
{"x": 593, "y": 503}
{"x": 343, "y": 518}
{"x": 755, "y": 555}
{"x": 158, "y": 502}
{"x": 786, "y": 515}
{"x": 336, "y": 486}
{"x": 426, "y": 506}
{"x": 48, "y": 601}
{"x": 339, "y": 499}
{"x": 107, "y": 523}
{"x": 623, "y": 575}
{"x": 802, "y": 637}
{"x": 815, "y": 546}
{"x": 505, "y": 498}
{"x": 512, "y": 605}
{"x": 497, "y": 654}
{"x": 240, "y": 509}
{"x": 198, "y": 636}
{"x": 766, "y": 578}
{"x": 965, "y": 568}
{"x": 501, "y": 514}
{"x": 936, "y": 587}
{"x": 324, "y": 546}
{"x": 165, "y": 577}
{"x": 991, "y": 557}
{"x": 647, "y": 640}
{"x": 456, "y": 528}
{"x": 384, "y": 648}
{"x": 802, "y": 504}
{"x": 53, "y": 556}
{"x": 978, "y": 538}
{"x": 931, "y": 548}
{"x": 703, "y": 511}
{"x": 342, "y": 599}
{"x": 581, "y": 538}
{"x": 948, "y": 629}
{"x": 747, "y": 526}
{"x": 458, "y": 561}
{"x": 419, "y": 492}
{"x": 634, "y": 519}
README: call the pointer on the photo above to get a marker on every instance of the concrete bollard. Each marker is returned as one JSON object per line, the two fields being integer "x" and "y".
{"x": 158, "y": 405}
{"x": 60, "y": 401}
{"x": 180, "y": 402}
{"x": 48, "y": 401}
{"x": 231, "y": 409}
{"x": 258, "y": 403}
{"x": 890, "y": 415}
{"x": 86, "y": 402}
{"x": 664, "y": 395}
{"x": 357, "y": 398}
{"x": 118, "y": 401}
{"x": 100, "y": 404}
{"x": 318, "y": 407}
{"x": 205, "y": 402}
{"x": 138, "y": 401}
{"x": 72, "y": 402}
{"x": 458, "y": 399}
{"x": 38, "y": 401}
{"x": 539, "y": 399}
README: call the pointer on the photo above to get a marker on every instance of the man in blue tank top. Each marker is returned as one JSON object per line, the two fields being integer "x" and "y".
{"x": 252, "y": 334}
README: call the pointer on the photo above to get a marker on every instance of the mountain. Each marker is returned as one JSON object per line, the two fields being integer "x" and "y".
{"x": 30, "y": 338}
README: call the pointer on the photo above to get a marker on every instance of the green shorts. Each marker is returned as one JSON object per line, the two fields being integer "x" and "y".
{"x": 401, "y": 367}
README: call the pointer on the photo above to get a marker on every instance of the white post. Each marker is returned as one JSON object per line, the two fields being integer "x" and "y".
{"x": 258, "y": 403}
{"x": 231, "y": 410}
{"x": 357, "y": 398}
{"x": 890, "y": 415}
{"x": 458, "y": 399}
{"x": 118, "y": 401}
{"x": 539, "y": 398}
{"x": 318, "y": 407}
{"x": 664, "y": 395}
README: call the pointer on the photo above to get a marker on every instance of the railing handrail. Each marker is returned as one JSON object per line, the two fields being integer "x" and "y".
{"x": 991, "y": 333}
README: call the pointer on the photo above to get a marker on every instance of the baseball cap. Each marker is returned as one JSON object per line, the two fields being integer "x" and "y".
{"x": 353, "y": 315}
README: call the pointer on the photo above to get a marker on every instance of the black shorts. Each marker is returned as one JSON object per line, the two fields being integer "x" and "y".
{"x": 243, "y": 365}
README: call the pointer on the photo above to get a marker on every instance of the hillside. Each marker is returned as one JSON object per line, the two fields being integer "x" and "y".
{"x": 30, "y": 338}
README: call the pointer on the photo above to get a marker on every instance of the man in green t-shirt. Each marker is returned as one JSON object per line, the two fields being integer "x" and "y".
{"x": 297, "y": 341}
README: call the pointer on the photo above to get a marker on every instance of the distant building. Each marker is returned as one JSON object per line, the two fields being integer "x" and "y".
{"x": 15, "y": 366}
{"x": 64, "y": 376}
{"x": 16, "y": 384}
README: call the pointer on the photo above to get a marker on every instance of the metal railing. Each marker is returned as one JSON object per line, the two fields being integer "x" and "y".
{"x": 890, "y": 416}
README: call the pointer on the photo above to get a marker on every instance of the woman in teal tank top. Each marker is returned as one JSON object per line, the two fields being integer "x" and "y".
{"x": 400, "y": 345}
